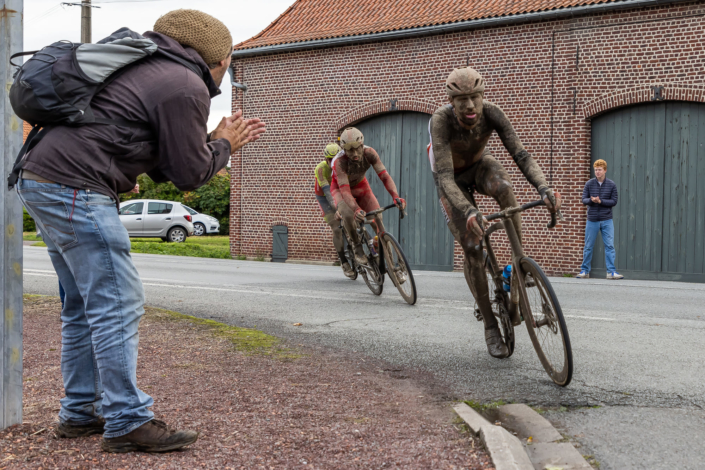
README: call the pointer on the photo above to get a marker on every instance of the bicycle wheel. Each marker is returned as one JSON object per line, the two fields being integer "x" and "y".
{"x": 370, "y": 273}
{"x": 545, "y": 322}
{"x": 499, "y": 300}
{"x": 398, "y": 268}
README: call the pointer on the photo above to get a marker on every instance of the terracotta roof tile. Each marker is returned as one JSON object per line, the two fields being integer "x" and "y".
{"x": 307, "y": 20}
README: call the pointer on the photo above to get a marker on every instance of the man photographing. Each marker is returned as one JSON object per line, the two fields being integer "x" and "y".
{"x": 70, "y": 183}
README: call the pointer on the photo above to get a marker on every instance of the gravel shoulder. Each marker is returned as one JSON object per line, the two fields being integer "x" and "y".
{"x": 257, "y": 402}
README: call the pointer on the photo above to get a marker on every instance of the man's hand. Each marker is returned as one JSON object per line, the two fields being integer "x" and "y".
{"x": 596, "y": 200}
{"x": 552, "y": 200}
{"x": 401, "y": 203}
{"x": 136, "y": 189}
{"x": 239, "y": 131}
{"x": 475, "y": 227}
{"x": 360, "y": 215}
{"x": 338, "y": 216}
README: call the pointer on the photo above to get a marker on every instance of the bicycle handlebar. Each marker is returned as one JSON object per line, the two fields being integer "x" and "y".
{"x": 508, "y": 212}
{"x": 382, "y": 209}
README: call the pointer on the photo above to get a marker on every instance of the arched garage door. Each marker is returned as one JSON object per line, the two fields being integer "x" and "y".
{"x": 655, "y": 154}
{"x": 401, "y": 140}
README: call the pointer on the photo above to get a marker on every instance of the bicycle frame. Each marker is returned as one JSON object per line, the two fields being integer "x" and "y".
{"x": 507, "y": 224}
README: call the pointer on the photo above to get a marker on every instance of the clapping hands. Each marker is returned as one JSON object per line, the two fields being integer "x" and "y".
{"x": 239, "y": 131}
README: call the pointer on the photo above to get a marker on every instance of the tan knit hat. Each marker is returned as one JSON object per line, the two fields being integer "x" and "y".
{"x": 205, "y": 34}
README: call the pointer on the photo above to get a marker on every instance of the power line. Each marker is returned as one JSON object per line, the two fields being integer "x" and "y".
{"x": 45, "y": 14}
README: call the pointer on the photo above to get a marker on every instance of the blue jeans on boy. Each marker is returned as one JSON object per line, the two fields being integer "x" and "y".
{"x": 90, "y": 251}
{"x": 606, "y": 227}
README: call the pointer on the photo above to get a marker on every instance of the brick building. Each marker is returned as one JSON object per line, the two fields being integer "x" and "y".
{"x": 580, "y": 80}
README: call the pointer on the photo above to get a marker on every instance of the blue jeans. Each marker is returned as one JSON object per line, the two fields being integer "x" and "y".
{"x": 90, "y": 250}
{"x": 606, "y": 227}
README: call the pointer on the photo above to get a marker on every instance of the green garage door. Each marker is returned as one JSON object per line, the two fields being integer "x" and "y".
{"x": 401, "y": 140}
{"x": 655, "y": 154}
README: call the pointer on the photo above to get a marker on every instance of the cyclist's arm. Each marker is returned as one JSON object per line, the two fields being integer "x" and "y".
{"x": 442, "y": 166}
{"x": 528, "y": 166}
{"x": 324, "y": 184}
{"x": 344, "y": 185}
{"x": 373, "y": 158}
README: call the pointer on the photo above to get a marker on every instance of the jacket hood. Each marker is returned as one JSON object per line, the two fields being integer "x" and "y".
{"x": 172, "y": 46}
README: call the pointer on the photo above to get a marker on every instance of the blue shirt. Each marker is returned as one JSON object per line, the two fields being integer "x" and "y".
{"x": 607, "y": 192}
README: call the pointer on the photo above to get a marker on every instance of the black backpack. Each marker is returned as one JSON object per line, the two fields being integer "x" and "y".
{"x": 56, "y": 86}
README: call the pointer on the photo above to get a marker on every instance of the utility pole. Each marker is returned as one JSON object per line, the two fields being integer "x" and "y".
{"x": 11, "y": 230}
{"x": 86, "y": 27}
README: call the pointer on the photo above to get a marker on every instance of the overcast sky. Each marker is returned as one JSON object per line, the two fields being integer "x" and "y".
{"x": 47, "y": 21}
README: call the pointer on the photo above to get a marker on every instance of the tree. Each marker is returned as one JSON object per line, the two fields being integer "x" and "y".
{"x": 212, "y": 198}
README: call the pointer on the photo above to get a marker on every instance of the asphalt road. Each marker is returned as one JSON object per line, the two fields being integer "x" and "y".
{"x": 638, "y": 392}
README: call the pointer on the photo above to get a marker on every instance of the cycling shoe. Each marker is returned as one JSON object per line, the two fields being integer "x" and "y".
{"x": 495, "y": 345}
{"x": 347, "y": 270}
{"x": 360, "y": 256}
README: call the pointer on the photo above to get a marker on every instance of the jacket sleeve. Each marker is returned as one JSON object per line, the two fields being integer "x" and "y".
{"x": 185, "y": 157}
{"x": 612, "y": 201}
{"x": 442, "y": 167}
{"x": 586, "y": 195}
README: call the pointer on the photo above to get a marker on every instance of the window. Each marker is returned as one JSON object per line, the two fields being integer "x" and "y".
{"x": 189, "y": 210}
{"x": 132, "y": 209}
{"x": 159, "y": 208}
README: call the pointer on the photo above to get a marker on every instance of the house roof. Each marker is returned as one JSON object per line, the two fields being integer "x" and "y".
{"x": 308, "y": 20}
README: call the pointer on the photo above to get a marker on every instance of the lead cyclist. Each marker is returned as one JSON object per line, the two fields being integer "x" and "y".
{"x": 461, "y": 165}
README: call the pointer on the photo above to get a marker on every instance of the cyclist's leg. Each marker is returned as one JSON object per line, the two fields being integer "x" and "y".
{"x": 328, "y": 214}
{"x": 474, "y": 262}
{"x": 491, "y": 179}
{"x": 368, "y": 202}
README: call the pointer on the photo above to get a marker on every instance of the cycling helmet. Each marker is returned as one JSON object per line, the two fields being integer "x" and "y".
{"x": 331, "y": 150}
{"x": 464, "y": 81}
{"x": 351, "y": 138}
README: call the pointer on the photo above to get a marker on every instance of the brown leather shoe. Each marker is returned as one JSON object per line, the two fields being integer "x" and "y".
{"x": 67, "y": 430}
{"x": 153, "y": 436}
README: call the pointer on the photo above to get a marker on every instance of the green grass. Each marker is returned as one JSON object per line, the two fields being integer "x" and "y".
{"x": 245, "y": 340}
{"x": 31, "y": 237}
{"x": 483, "y": 407}
{"x": 201, "y": 247}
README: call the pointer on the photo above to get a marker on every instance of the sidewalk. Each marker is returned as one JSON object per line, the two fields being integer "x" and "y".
{"x": 256, "y": 402}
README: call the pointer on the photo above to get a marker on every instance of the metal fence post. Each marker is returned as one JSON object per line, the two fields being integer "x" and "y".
{"x": 11, "y": 15}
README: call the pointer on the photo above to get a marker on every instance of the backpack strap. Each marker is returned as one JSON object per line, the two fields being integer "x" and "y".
{"x": 35, "y": 135}
{"x": 20, "y": 54}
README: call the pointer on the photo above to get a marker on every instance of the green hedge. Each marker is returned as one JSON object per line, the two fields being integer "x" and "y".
{"x": 28, "y": 224}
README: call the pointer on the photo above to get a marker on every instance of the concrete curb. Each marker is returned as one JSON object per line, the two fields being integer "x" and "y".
{"x": 509, "y": 452}
{"x": 506, "y": 451}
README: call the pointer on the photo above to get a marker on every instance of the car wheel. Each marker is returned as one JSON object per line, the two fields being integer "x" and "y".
{"x": 176, "y": 235}
{"x": 199, "y": 229}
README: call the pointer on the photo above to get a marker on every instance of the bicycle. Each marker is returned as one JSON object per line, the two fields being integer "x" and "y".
{"x": 531, "y": 299}
{"x": 392, "y": 261}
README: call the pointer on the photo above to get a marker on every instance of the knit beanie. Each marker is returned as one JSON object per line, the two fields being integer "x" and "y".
{"x": 205, "y": 34}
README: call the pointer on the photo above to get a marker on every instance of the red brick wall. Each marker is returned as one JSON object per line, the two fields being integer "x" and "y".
{"x": 306, "y": 97}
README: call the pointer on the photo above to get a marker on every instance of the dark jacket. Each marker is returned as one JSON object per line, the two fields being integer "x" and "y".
{"x": 171, "y": 99}
{"x": 607, "y": 194}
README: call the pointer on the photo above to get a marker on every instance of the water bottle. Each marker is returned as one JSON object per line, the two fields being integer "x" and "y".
{"x": 507, "y": 277}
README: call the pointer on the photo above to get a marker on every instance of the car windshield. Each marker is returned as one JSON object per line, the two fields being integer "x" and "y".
{"x": 189, "y": 210}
